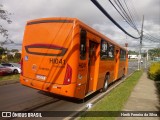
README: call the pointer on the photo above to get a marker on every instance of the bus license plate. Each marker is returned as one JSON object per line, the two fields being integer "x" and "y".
{"x": 41, "y": 77}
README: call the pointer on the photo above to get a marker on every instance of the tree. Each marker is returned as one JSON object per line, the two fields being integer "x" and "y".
{"x": 17, "y": 56}
{"x": 154, "y": 52}
{"x": 132, "y": 52}
{"x": 1, "y": 50}
{"x": 4, "y": 16}
{"x": 14, "y": 50}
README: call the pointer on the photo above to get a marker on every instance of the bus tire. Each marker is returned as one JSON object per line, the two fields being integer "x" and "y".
{"x": 123, "y": 76}
{"x": 105, "y": 87}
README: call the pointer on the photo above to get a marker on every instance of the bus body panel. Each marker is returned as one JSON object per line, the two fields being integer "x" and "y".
{"x": 43, "y": 46}
{"x": 36, "y": 38}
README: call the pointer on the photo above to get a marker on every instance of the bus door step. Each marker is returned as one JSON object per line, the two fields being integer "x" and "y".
{"x": 89, "y": 93}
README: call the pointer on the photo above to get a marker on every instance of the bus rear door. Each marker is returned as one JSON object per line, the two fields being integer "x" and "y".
{"x": 93, "y": 47}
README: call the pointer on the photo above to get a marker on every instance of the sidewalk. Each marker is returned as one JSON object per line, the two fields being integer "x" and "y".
{"x": 144, "y": 97}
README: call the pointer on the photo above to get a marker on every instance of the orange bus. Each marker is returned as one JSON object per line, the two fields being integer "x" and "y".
{"x": 66, "y": 57}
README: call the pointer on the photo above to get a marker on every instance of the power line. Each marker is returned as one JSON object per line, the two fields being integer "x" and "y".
{"x": 151, "y": 39}
{"x": 131, "y": 16}
{"x": 121, "y": 14}
{"x": 134, "y": 10}
{"x": 121, "y": 7}
{"x": 107, "y": 15}
{"x": 147, "y": 34}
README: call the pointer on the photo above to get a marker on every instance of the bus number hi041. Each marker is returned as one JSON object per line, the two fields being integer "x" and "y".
{"x": 57, "y": 61}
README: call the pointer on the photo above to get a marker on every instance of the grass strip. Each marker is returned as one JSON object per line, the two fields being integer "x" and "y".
{"x": 9, "y": 77}
{"x": 116, "y": 99}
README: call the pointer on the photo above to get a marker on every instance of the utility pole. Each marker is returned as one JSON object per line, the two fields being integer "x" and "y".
{"x": 145, "y": 59}
{"x": 140, "y": 47}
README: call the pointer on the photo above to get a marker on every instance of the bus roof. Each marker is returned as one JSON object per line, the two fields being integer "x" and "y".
{"x": 72, "y": 20}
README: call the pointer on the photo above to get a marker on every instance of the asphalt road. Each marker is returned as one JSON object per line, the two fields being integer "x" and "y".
{"x": 16, "y": 97}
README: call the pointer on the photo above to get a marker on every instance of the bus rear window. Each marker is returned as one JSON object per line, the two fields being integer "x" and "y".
{"x": 83, "y": 35}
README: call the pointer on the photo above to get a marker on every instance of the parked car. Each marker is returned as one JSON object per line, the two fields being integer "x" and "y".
{"x": 4, "y": 70}
{"x": 14, "y": 66}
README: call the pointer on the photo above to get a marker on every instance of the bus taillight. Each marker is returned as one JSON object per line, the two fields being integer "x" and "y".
{"x": 68, "y": 75}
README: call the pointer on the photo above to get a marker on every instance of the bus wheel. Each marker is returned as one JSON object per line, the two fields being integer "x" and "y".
{"x": 123, "y": 76}
{"x": 105, "y": 87}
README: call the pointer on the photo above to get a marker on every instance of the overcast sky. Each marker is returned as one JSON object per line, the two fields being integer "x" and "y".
{"x": 86, "y": 11}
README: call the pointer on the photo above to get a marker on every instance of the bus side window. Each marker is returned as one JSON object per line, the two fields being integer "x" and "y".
{"x": 83, "y": 36}
{"x": 122, "y": 54}
{"x": 104, "y": 49}
{"x": 111, "y": 51}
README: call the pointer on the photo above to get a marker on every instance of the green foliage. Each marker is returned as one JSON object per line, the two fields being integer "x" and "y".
{"x": 1, "y": 50}
{"x": 10, "y": 57}
{"x": 15, "y": 59}
{"x": 132, "y": 52}
{"x": 154, "y": 71}
{"x": 144, "y": 54}
{"x": 154, "y": 52}
{"x": 14, "y": 50}
{"x": 17, "y": 55}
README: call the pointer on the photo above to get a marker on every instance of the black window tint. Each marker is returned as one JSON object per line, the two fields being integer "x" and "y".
{"x": 110, "y": 51}
{"x": 4, "y": 64}
{"x": 104, "y": 49}
{"x": 107, "y": 50}
{"x": 83, "y": 36}
{"x": 8, "y": 65}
